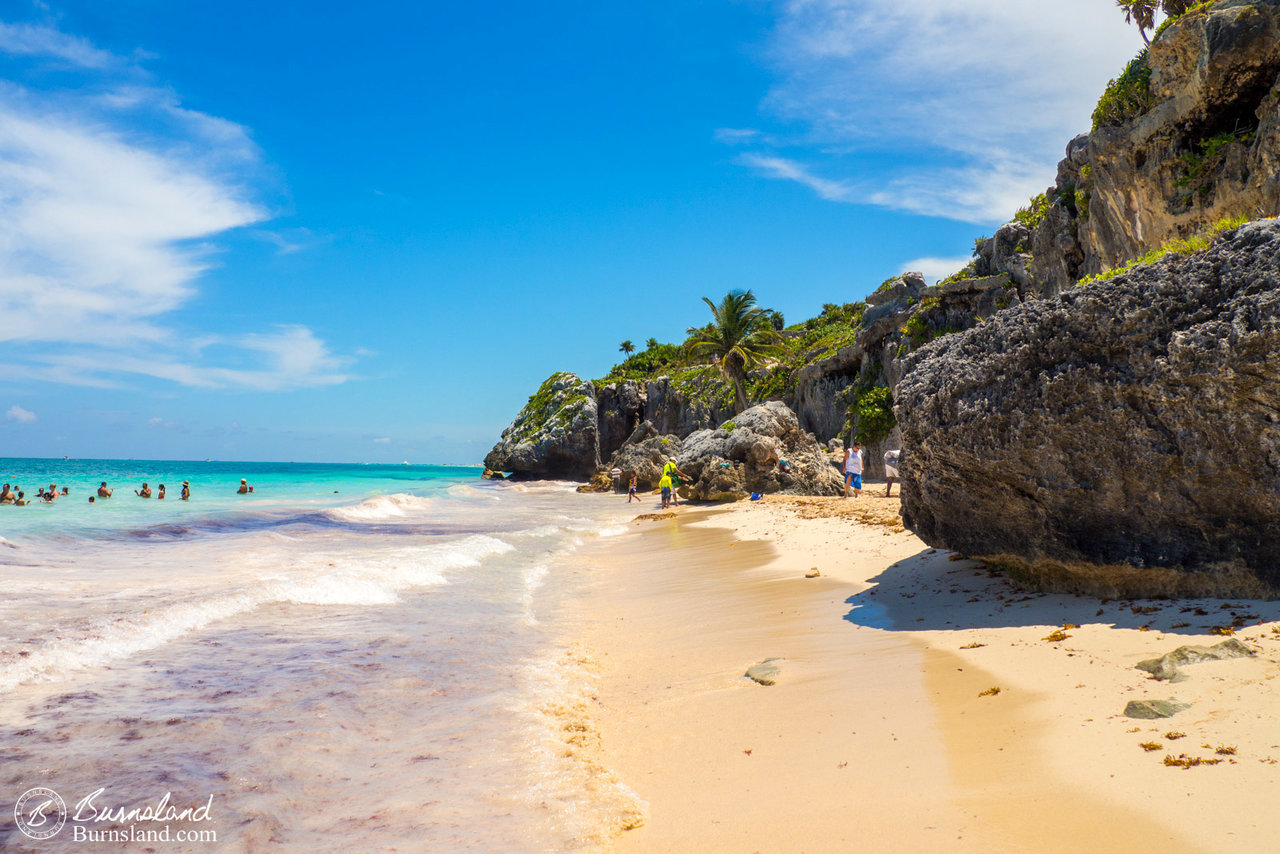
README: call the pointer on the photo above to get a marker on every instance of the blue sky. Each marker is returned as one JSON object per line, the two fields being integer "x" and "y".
{"x": 366, "y": 232}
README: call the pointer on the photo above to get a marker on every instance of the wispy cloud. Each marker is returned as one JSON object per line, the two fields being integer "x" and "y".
{"x": 22, "y": 416}
{"x": 936, "y": 107}
{"x": 935, "y": 268}
{"x": 789, "y": 170}
{"x": 106, "y": 228}
{"x": 382, "y": 440}
{"x": 38, "y": 40}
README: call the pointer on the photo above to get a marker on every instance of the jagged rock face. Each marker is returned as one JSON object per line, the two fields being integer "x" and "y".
{"x": 644, "y": 454}
{"x": 621, "y": 409}
{"x": 742, "y": 457}
{"x": 671, "y": 412}
{"x": 1134, "y": 421}
{"x": 1208, "y": 148}
{"x": 554, "y": 436}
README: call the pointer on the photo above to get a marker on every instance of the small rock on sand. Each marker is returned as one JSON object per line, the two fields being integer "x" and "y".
{"x": 1166, "y": 666}
{"x": 813, "y": 573}
{"x": 766, "y": 672}
{"x": 1152, "y": 709}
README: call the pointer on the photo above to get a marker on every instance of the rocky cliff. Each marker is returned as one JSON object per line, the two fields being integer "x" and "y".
{"x": 1131, "y": 421}
{"x": 1188, "y": 135}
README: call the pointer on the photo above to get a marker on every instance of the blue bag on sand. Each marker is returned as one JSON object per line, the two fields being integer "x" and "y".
{"x": 755, "y": 496}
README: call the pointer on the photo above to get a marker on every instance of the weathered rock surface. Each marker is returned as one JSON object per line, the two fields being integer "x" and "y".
{"x": 644, "y": 454}
{"x": 1207, "y": 148}
{"x": 1132, "y": 421}
{"x": 742, "y": 456}
{"x": 1167, "y": 666}
{"x": 554, "y": 436}
{"x": 1150, "y": 710}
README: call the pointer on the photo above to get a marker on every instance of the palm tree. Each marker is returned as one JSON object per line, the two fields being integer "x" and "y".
{"x": 651, "y": 343}
{"x": 627, "y": 347}
{"x": 1143, "y": 12}
{"x": 1140, "y": 12}
{"x": 739, "y": 338}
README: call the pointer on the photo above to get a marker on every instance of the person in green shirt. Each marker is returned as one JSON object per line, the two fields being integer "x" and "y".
{"x": 669, "y": 470}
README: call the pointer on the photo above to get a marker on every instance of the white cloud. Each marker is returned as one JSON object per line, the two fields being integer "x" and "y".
{"x": 105, "y": 230}
{"x": 935, "y": 268}
{"x": 971, "y": 104}
{"x": 38, "y": 40}
{"x": 22, "y": 416}
{"x": 789, "y": 170}
{"x": 383, "y": 440}
{"x": 737, "y": 136}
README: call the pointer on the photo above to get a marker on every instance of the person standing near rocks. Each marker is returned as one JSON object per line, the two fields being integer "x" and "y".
{"x": 891, "y": 459}
{"x": 665, "y": 485}
{"x": 853, "y": 470}
{"x": 616, "y": 474}
{"x": 669, "y": 470}
{"x": 631, "y": 489}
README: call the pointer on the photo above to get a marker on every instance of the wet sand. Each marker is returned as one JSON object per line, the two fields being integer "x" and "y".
{"x": 877, "y": 735}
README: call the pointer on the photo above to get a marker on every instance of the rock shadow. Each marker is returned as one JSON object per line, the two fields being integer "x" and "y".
{"x": 931, "y": 591}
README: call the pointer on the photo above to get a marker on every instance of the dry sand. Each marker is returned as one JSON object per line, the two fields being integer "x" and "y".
{"x": 877, "y": 735}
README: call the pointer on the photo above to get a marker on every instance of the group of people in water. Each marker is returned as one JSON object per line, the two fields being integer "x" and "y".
{"x": 15, "y": 496}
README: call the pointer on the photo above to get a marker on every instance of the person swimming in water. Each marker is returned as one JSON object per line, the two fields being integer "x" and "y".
{"x": 244, "y": 489}
{"x": 145, "y": 492}
{"x": 103, "y": 492}
{"x": 186, "y": 491}
{"x": 160, "y": 494}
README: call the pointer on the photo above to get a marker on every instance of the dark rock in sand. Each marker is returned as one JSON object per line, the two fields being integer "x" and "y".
{"x": 766, "y": 672}
{"x": 1132, "y": 421}
{"x": 1167, "y": 665}
{"x": 1149, "y": 710}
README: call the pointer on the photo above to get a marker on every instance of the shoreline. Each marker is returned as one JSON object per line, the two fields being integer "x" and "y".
{"x": 876, "y": 735}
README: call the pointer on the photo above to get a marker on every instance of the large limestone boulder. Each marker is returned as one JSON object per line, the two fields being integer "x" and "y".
{"x": 1132, "y": 421}
{"x": 554, "y": 436}
{"x": 644, "y": 454}
{"x": 743, "y": 455}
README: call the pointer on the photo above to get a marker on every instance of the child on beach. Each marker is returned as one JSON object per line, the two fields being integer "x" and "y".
{"x": 665, "y": 485}
{"x": 631, "y": 490}
{"x": 669, "y": 470}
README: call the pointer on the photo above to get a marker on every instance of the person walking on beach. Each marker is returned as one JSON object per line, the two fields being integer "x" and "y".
{"x": 103, "y": 492}
{"x": 145, "y": 492}
{"x": 853, "y": 470}
{"x": 631, "y": 490}
{"x": 186, "y": 491}
{"x": 891, "y": 470}
{"x": 670, "y": 470}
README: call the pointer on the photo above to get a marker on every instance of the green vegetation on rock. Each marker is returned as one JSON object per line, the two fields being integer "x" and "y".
{"x": 1127, "y": 96}
{"x": 1195, "y": 244}
{"x": 1034, "y": 213}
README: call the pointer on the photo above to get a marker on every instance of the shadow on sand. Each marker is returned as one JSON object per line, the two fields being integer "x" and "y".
{"x": 930, "y": 591}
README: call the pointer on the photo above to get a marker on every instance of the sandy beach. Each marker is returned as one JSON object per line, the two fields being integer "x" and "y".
{"x": 883, "y": 731}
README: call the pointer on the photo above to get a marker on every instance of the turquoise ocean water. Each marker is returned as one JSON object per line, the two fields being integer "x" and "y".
{"x": 351, "y": 657}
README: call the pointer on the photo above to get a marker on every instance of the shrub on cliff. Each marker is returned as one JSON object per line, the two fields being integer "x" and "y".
{"x": 1126, "y": 97}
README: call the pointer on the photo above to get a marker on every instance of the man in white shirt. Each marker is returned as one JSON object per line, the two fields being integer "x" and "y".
{"x": 853, "y": 470}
